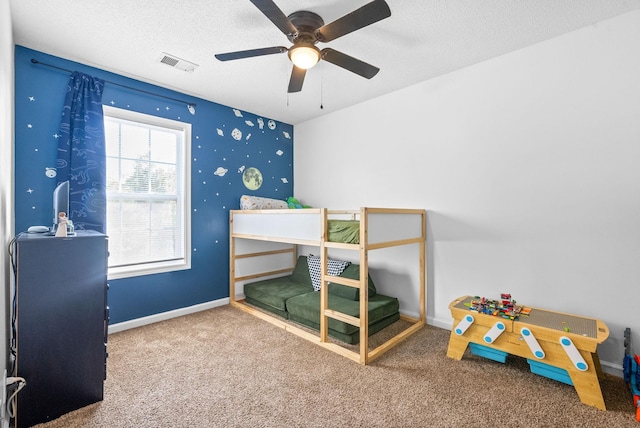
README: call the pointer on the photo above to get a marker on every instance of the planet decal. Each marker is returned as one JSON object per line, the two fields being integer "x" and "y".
{"x": 50, "y": 172}
{"x": 220, "y": 172}
{"x": 252, "y": 178}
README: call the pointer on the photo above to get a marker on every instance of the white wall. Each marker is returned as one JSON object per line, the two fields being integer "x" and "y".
{"x": 528, "y": 165}
{"x": 6, "y": 173}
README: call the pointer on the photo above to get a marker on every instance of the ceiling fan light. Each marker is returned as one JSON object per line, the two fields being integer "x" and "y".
{"x": 304, "y": 57}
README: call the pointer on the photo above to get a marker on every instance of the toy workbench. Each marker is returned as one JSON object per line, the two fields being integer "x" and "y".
{"x": 556, "y": 345}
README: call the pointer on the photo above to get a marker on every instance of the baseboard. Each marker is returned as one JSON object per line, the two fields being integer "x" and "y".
{"x": 607, "y": 366}
{"x": 139, "y": 322}
{"x": 611, "y": 368}
{"x": 446, "y": 324}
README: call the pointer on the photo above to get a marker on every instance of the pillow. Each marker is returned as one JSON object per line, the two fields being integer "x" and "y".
{"x": 300, "y": 274}
{"x": 257, "y": 203}
{"x": 334, "y": 267}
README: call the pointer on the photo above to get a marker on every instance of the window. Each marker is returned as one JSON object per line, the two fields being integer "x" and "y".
{"x": 148, "y": 188}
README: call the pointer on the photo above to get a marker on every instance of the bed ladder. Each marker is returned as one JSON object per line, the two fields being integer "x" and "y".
{"x": 363, "y": 285}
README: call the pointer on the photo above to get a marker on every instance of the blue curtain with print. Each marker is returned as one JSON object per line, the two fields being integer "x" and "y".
{"x": 81, "y": 152}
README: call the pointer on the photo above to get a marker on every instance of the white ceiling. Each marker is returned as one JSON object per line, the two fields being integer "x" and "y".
{"x": 422, "y": 39}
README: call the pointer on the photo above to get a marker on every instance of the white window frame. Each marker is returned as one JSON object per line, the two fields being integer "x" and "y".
{"x": 185, "y": 184}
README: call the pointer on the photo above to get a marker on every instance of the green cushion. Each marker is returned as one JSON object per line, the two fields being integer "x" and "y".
{"x": 344, "y": 231}
{"x": 293, "y": 297}
{"x": 352, "y": 272}
{"x": 353, "y": 338}
{"x": 274, "y": 292}
{"x": 300, "y": 274}
{"x": 307, "y": 306}
{"x": 259, "y": 304}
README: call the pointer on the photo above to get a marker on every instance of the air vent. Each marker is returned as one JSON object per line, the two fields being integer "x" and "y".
{"x": 174, "y": 61}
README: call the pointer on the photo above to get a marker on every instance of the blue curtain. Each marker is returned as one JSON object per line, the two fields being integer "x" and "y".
{"x": 81, "y": 152}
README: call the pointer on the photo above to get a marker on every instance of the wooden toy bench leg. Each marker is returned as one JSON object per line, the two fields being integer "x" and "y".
{"x": 587, "y": 385}
{"x": 457, "y": 346}
{"x": 596, "y": 363}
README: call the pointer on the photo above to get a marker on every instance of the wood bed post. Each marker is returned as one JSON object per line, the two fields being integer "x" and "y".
{"x": 232, "y": 261}
{"x": 423, "y": 269}
{"x": 364, "y": 287}
{"x": 324, "y": 286}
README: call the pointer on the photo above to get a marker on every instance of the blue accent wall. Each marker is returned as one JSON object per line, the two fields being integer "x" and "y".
{"x": 225, "y": 142}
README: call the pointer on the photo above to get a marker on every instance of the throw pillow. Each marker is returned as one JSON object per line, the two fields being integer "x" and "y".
{"x": 334, "y": 268}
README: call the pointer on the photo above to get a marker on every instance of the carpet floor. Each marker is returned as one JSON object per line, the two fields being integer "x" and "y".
{"x": 226, "y": 368}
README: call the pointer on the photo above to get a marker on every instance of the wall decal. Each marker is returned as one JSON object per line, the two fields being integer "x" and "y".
{"x": 39, "y": 96}
{"x": 220, "y": 171}
{"x": 252, "y": 178}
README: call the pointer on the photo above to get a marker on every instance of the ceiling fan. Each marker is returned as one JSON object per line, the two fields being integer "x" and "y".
{"x": 305, "y": 29}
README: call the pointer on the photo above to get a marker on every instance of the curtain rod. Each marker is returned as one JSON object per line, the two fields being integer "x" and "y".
{"x": 190, "y": 106}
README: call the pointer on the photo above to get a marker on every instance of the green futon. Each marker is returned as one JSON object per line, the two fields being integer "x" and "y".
{"x": 293, "y": 297}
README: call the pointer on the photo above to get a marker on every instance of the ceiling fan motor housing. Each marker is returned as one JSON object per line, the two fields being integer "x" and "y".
{"x": 307, "y": 23}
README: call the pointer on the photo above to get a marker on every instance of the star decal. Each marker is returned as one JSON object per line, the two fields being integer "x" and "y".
{"x": 32, "y": 98}
{"x": 29, "y": 190}
{"x": 56, "y": 135}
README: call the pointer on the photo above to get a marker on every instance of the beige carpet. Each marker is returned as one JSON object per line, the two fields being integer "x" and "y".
{"x": 226, "y": 368}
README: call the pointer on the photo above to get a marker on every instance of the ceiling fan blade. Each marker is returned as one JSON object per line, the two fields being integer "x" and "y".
{"x": 273, "y": 12}
{"x": 251, "y": 52}
{"x": 297, "y": 79}
{"x": 349, "y": 63}
{"x": 368, "y": 14}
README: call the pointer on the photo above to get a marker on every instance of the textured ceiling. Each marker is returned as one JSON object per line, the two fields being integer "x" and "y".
{"x": 422, "y": 39}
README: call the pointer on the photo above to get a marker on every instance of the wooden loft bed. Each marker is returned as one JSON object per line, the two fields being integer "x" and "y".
{"x": 287, "y": 229}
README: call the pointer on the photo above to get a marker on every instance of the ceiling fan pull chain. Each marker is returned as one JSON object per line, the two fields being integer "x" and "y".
{"x": 321, "y": 91}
